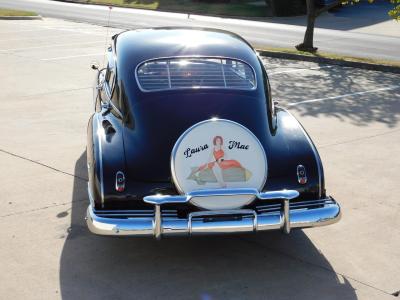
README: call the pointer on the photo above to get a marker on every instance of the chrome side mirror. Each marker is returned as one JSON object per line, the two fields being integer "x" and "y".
{"x": 95, "y": 65}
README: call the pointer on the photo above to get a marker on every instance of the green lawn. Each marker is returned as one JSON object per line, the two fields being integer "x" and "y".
{"x": 323, "y": 54}
{"x": 13, "y": 13}
{"x": 236, "y": 8}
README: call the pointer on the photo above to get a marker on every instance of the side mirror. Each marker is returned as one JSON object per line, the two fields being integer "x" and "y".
{"x": 95, "y": 65}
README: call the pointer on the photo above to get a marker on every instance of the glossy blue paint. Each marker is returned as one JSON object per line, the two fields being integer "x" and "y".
{"x": 143, "y": 138}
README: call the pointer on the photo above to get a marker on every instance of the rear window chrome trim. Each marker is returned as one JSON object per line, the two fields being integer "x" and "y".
{"x": 167, "y": 58}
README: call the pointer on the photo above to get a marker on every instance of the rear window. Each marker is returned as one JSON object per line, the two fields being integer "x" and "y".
{"x": 186, "y": 73}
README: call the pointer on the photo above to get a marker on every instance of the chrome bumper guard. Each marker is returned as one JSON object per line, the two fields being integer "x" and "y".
{"x": 285, "y": 217}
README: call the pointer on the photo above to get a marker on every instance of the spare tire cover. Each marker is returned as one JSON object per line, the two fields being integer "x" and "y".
{"x": 218, "y": 154}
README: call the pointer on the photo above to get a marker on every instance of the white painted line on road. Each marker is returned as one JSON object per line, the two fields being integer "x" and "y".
{"x": 50, "y": 46}
{"x": 299, "y": 70}
{"x": 393, "y": 87}
{"x": 82, "y": 30}
{"x": 72, "y": 56}
{"x": 24, "y": 30}
{"x": 41, "y": 37}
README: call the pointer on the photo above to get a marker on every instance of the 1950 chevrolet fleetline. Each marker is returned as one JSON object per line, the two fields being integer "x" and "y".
{"x": 185, "y": 139}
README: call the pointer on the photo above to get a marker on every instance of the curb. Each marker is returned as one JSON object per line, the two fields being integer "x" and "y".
{"x": 332, "y": 61}
{"x": 39, "y": 17}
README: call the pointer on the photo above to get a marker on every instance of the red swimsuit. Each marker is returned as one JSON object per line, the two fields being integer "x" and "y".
{"x": 222, "y": 163}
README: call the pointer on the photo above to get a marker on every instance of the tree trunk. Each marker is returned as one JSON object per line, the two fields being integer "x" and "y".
{"x": 271, "y": 8}
{"x": 309, "y": 35}
{"x": 308, "y": 42}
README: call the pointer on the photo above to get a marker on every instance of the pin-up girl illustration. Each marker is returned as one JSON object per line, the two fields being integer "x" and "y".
{"x": 218, "y": 168}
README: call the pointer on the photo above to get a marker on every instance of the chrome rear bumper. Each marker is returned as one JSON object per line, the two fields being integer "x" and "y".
{"x": 158, "y": 223}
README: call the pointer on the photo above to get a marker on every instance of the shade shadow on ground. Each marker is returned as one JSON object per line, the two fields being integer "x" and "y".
{"x": 224, "y": 267}
{"x": 357, "y": 107}
{"x": 348, "y": 17}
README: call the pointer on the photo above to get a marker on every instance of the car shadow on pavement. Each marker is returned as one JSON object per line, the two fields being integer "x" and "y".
{"x": 222, "y": 267}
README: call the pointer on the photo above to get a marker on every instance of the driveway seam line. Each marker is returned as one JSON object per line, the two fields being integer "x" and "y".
{"x": 55, "y": 92}
{"x": 387, "y": 88}
{"x": 42, "y": 164}
{"x": 360, "y": 139}
{"x": 40, "y": 208}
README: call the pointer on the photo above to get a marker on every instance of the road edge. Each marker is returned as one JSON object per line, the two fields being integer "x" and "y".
{"x": 39, "y": 17}
{"x": 332, "y": 61}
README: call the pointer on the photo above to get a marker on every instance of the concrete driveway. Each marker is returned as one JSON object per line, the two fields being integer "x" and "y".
{"x": 46, "y": 251}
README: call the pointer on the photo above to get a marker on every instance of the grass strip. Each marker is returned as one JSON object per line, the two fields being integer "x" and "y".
{"x": 16, "y": 13}
{"x": 321, "y": 54}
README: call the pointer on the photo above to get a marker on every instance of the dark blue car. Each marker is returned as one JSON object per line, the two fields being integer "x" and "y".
{"x": 185, "y": 139}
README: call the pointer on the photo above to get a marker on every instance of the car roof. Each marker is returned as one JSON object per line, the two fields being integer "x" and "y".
{"x": 140, "y": 45}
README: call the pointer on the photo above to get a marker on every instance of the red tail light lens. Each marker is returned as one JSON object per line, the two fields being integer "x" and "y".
{"x": 119, "y": 182}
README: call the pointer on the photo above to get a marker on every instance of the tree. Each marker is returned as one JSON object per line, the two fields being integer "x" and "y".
{"x": 271, "y": 7}
{"x": 313, "y": 12}
{"x": 395, "y": 12}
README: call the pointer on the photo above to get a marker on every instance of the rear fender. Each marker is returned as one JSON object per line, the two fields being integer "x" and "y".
{"x": 289, "y": 147}
{"x": 106, "y": 157}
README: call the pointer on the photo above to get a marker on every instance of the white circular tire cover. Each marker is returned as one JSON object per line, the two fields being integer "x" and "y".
{"x": 218, "y": 154}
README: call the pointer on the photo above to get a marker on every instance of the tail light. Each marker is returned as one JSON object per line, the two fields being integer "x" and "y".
{"x": 119, "y": 182}
{"x": 301, "y": 174}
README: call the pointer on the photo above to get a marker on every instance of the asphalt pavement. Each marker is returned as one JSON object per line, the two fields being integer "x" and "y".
{"x": 266, "y": 32}
{"x": 46, "y": 251}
